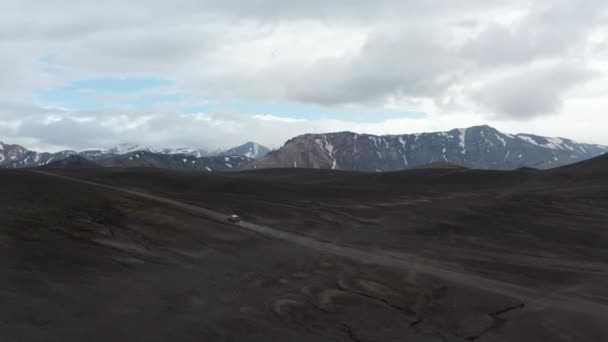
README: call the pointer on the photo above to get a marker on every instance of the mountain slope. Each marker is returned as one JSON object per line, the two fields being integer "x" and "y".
{"x": 15, "y": 156}
{"x": 11, "y": 153}
{"x": 250, "y": 150}
{"x": 595, "y": 167}
{"x": 479, "y": 147}
{"x": 176, "y": 161}
{"x": 72, "y": 162}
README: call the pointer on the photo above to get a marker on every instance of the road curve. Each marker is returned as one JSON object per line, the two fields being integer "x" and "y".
{"x": 403, "y": 261}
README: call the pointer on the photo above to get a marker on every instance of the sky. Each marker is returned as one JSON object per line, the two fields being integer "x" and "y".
{"x": 217, "y": 73}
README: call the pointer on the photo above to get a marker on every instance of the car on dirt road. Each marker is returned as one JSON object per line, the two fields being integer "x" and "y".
{"x": 234, "y": 218}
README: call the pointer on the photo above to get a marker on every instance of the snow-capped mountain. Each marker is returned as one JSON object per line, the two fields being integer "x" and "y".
{"x": 195, "y": 152}
{"x": 18, "y": 156}
{"x": 125, "y": 155}
{"x": 250, "y": 150}
{"x": 127, "y": 148}
{"x": 11, "y": 153}
{"x": 480, "y": 147}
{"x": 130, "y": 148}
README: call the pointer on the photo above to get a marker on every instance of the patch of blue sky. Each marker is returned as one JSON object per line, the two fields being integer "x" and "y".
{"x": 151, "y": 99}
{"x": 48, "y": 65}
{"x": 317, "y": 112}
{"x": 106, "y": 92}
{"x": 117, "y": 84}
{"x": 99, "y": 93}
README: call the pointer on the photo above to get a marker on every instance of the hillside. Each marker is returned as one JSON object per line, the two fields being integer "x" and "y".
{"x": 440, "y": 165}
{"x": 73, "y": 161}
{"x": 595, "y": 167}
{"x": 176, "y": 161}
{"x": 322, "y": 255}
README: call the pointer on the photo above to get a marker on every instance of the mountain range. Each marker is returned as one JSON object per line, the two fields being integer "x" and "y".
{"x": 479, "y": 147}
{"x": 131, "y": 155}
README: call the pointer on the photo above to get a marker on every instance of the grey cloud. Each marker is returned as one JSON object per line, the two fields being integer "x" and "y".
{"x": 178, "y": 38}
{"x": 531, "y": 93}
{"x": 124, "y": 12}
{"x": 410, "y": 64}
{"x": 21, "y": 73}
{"x": 138, "y": 51}
{"x": 549, "y": 30}
{"x": 68, "y": 133}
{"x": 161, "y": 126}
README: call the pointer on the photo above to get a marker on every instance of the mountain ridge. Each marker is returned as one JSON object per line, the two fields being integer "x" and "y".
{"x": 479, "y": 147}
{"x": 127, "y": 155}
{"x": 249, "y": 149}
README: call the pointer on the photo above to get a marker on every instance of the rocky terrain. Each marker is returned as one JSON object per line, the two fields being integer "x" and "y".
{"x": 433, "y": 254}
{"x": 480, "y": 147}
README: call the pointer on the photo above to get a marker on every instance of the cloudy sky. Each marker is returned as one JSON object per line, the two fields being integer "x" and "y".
{"x": 214, "y": 73}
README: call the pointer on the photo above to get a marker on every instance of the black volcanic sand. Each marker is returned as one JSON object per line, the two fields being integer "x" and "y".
{"x": 81, "y": 262}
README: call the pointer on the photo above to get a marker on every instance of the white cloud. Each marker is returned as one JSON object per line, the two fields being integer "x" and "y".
{"x": 267, "y": 117}
{"x": 168, "y": 128}
{"x": 530, "y": 92}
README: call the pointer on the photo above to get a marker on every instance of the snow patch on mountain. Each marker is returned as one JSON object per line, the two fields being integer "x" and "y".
{"x": 463, "y": 139}
{"x": 328, "y": 148}
{"x": 127, "y": 148}
{"x": 501, "y": 139}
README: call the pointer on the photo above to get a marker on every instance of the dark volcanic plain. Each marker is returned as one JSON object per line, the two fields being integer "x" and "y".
{"x": 421, "y": 255}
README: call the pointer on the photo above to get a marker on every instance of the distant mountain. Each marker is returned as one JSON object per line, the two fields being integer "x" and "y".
{"x": 126, "y": 148}
{"x": 195, "y": 152}
{"x": 96, "y": 154}
{"x": 250, "y": 150}
{"x": 14, "y": 156}
{"x": 11, "y": 153}
{"x": 129, "y": 148}
{"x": 126, "y": 155}
{"x": 480, "y": 147}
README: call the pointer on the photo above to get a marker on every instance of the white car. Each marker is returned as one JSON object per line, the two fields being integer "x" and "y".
{"x": 234, "y": 218}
